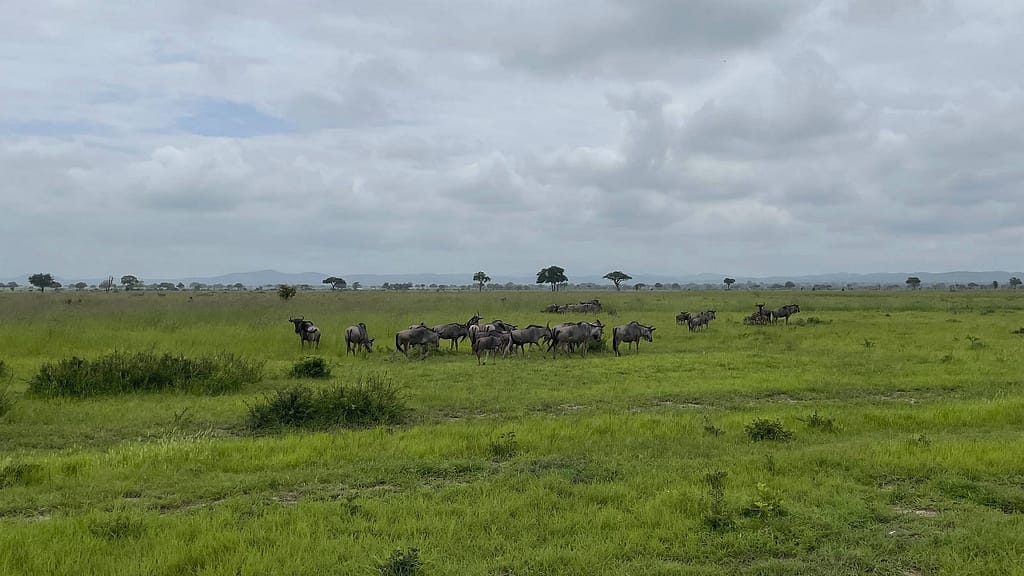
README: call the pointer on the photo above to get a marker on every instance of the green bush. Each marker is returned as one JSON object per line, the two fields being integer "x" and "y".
{"x": 504, "y": 448}
{"x": 372, "y": 401}
{"x": 122, "y": 373}
{"x": 311, "y": 367}
{"x": 764, "y": 429}
{"x": 402, "y": 564}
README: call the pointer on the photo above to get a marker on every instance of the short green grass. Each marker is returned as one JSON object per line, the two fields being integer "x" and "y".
{"x": 529, "y": 465}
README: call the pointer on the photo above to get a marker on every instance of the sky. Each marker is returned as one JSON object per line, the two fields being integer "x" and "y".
{"x": 742, "y": 137}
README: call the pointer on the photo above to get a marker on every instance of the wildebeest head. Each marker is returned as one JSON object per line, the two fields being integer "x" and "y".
{"x": 299, "y": 323}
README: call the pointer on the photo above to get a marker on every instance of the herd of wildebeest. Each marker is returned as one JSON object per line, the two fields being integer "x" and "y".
{"x": 501, "y": 337}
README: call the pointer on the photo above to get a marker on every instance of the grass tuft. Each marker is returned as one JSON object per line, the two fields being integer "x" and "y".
{"x": 762, "y": 429}
{"x": 819, "y": 422}
{"x": 311, "y": 367}
{"x": 505, "y": 447}
{"x": 15, "y": 473}
{"x": 372, "y": 401}
{"x": 125, "y": 373}
{"x": 402, "y": 563}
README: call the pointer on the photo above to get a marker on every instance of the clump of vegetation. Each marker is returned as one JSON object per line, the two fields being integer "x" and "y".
{"x": 868, "y": 343}
{"x": 811, "y": 321}
{"x": 766, "y": 504}
{"x": 1017, "y": 331}
{"x": 920, "y": 440}
{"x": 976, "y": 343}
{"x": 716, "y": 517}
{"x": 762, "y": 429}
{"x": 311, "y": 367}
{"x": 6, "y": 403}
{"x": 117, "y": 526}
{"x": 286, "y": 292}
{"x": 819, "y": 422}
{"x": 123, "y": 372}
{"x": 402, "y": 563}
{"x": 504, "y": 448}
{"x": 710, "y": 429}
{"x": 598, "y": 345}
{"x": 372, "y": 401}
{"x": 16, "y": 473}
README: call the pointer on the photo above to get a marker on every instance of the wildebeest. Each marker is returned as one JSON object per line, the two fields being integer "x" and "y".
{"x": 698, "y": 321}
{"x": 456, "y": 332}
{"x": 762, "y": 316}
{"x": 477, "y": 330}
{"x": 785, "y": 312}
{"x": 355, "y": 336}
{"x": 630, "y": 333}
{"x": 530, "y": 335}
{"x": 682, "y": 318}
{"x": 580, "y": 333}
{"x": 307, "y": 331}
{"x": 417, "y": 336}
{"x": 492, "y": 341}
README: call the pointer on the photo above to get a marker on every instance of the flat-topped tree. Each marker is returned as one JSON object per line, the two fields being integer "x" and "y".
{"x": 618, "y": 277}
{"x": 43, "y": 281}
{"x": 335, "y": 282}
{"x": 553, "y": 275}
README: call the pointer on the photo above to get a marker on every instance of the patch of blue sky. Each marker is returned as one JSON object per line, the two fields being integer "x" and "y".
{"x": 225, "y": 118}
{"x": 50, "y": 128}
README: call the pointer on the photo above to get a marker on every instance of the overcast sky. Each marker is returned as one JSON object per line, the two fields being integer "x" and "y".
{"x": 742, "y": 137}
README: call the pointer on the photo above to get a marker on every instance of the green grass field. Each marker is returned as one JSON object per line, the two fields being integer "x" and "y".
{"x": 529, "y": 465}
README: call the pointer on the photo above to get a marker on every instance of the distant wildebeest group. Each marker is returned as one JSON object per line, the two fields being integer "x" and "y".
{"x": 584, "y": 307}
{"x": 507, "y": 339}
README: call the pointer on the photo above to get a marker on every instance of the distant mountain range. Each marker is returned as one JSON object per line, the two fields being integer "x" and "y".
{"x": 273, "y": 277}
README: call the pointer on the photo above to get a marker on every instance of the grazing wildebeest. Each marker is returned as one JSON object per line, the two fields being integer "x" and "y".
{"x": 698, "y": 321}
{"x": 492, "y": 341}
{"x": 785, "y": 312}
{"x": 762, "y": 316}
{"x": 418, "y": 336}
{"x": 581, "y": 333}
{"x": 530, "y": 335}
{"x": 682, "y": 318}
{"x": 307, "y": 331}
{"x": 355, "y": 336}
{"x": 631, "y": 333}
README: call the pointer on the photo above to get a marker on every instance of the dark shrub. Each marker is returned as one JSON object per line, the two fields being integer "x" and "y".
{"x": 402, "y": 564}
{"x": 372, "y": 401}
{"x": 122, "y": 373}
{"x": 764, "y": 429}
{"x": 311, "y": 367}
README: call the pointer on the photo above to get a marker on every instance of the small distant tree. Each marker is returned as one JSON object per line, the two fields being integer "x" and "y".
{"x": 79, "y": 286}
{"x": 12, "y": 286}
{"x": 553, "y": 275}
{"x": 108, "y": 284}
{"x": 43, "y": 281}
{"x": 1014, "y": 282}
{"x": 481, "y": 278}
{"x": 335, "y": 282}
{"x": 914, "y": 282}
{"x": 618, "y": 277}
{"x": 130, "y": 282}
{"x": 790, "y": 284}
{"x": 286, "y": 292}
{"x": 356, "y": 285}
{"x": 729, "y": 282}
{"x": 180, "y": 286}
{"x": 995, "y": 284}
{"x": 639, "y": 286}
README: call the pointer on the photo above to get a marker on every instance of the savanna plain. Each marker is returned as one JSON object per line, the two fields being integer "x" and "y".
{"x": 876, "y": 433}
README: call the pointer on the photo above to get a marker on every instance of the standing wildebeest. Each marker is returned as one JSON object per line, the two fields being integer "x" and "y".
{"x": 630, "y": 333}
{"x": 698, "y": 321}
{"x": 530, "y": 335}
{"x": 486, "y": 342}
{"x": 455, "y": 331}
{"x": 762, "y": 316}
{"x": 577, "y": 334}
{"x": 785, "y": 312}
{"x": 355, "y": 336}
{"x": 418, "y": 336}
{"x": 307, "y": 331}
{"x": 683, "y": 317}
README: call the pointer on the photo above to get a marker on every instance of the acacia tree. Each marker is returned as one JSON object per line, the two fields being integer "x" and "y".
{"x": 43, "y": 281}
{"x": 107, "y": 284}
{"x": 914, "y": 282}
{"x": 1014, "y": 282}
{"x": 12, "y": 285}
{"x": 617, "y": 277}
{"x": 335, "y": 282}
{"x": 286, "y": 292}
{"x": 729, "y": 282}
{"x": 481, "y": 278}
{"x": 553, "y": 275}
{"x": 79, "y": 286}
{"x": 129, "y": 282}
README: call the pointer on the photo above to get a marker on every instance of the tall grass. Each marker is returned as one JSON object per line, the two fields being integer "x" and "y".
{"x": 124, "y": 372}
{"x": 372, "y": 401}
